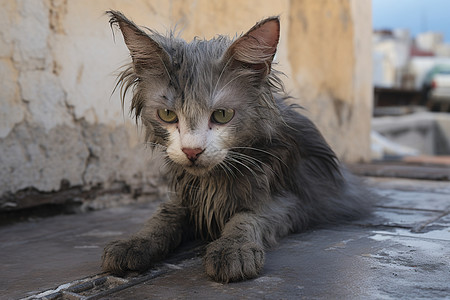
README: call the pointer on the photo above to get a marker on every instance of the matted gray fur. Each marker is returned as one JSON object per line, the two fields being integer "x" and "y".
{"x": 245, "y": 167}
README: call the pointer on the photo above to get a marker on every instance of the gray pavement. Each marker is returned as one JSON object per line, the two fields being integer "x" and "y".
{"x": 401, "y": 252}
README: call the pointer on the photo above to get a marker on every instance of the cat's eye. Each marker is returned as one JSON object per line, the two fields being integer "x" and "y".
{"x": 167, "y": 115}
{"x": 222, "y": 116}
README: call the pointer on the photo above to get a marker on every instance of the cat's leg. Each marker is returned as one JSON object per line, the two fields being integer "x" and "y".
{"x": 239, "y": 253}
{"x": 162, "y": 233}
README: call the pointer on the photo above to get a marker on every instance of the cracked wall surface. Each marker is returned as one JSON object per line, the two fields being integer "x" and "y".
{"x": 62, "y": 129}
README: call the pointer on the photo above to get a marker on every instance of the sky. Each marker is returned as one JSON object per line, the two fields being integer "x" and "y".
{"x": 415, "y": 15}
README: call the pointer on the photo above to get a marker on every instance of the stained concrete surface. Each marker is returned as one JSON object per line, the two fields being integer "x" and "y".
{"x": 401, "y": 252}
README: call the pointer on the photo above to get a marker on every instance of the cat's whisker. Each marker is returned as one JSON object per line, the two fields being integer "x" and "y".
{"x": 262, "y": 151}
{"x": 230, "y": 161}
{"x": 227, "y": 170}
{"x": 254, "y": 161}
{"x": 244, "y": 165}
{"x": 232, "y": 166}
{"x": 243, "y": 158}
{"x": 250, "y": 160}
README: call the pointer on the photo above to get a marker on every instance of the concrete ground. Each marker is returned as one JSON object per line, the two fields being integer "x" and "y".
{"x": 401, "y": 252}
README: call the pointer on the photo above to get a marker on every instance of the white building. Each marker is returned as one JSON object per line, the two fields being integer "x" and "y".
{"x": 400, "y": 62}
{"x": 429, "y": 41}
{"x": 391, "y": 54}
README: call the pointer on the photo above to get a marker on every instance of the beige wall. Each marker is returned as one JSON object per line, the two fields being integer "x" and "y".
{"x": 329, "y": 51}
{"x": 60, "y": 124}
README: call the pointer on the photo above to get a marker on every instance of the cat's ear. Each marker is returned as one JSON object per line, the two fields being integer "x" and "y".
{"x": 147, "y": 55}
{"x": 257, "y": 47}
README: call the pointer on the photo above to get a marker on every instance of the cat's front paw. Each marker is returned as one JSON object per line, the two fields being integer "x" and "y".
{"x": 226, "y": 261}
{"x": 127, "y": 255}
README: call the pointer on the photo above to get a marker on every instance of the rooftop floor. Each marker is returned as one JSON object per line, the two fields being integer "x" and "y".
{"x": 402, "y": 251}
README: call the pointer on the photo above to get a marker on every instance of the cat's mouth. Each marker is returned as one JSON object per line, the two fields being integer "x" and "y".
{"x": 202, "y": 165}
{"x": 197, "y": 169}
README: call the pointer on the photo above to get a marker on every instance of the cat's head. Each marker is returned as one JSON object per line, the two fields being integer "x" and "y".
{"x": 202, "y": 101}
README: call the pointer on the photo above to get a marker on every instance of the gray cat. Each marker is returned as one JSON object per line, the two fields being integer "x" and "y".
{"x": 245, "y": 168}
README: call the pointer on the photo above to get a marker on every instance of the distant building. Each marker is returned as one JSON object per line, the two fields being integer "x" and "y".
{"x": 402, "y": 62}
{"x": 391, "y": 54}
{"x": 443, "y": 50}
{"x": 429, "y": 41}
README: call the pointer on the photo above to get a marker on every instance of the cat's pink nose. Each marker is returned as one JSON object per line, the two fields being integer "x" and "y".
{"x": 192, "y": 154}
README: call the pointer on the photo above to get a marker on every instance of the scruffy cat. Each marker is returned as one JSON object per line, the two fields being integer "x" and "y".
{"x": 245, "y": 168}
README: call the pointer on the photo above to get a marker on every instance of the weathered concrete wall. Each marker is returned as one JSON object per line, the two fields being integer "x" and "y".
{"x": 60, "y": 128}
{"x": 329, "y": 52}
